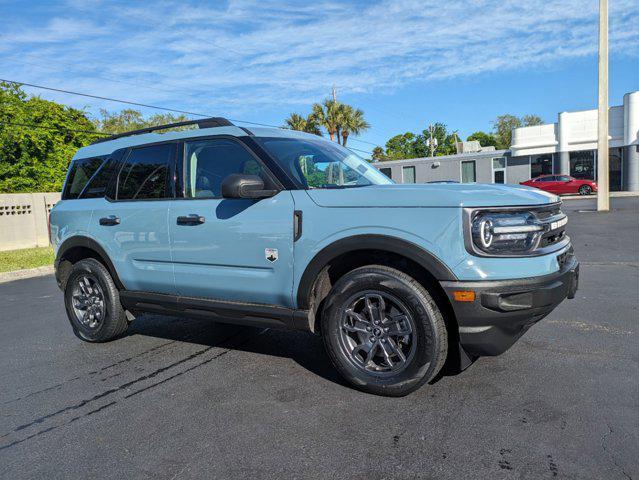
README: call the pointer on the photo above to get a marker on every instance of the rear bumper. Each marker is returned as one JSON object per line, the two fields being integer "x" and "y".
{"x": 503, "y": 310}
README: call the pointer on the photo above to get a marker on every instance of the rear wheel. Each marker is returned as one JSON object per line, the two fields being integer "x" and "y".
{"x": 383, "y": 331}
{"x": 585, "y": 190}
{"x": 93, "y": 302}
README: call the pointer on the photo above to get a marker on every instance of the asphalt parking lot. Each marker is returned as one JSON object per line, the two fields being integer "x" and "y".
{"x": 192, "y": 399}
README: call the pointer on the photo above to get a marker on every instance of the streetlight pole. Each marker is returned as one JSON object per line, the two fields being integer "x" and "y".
{"x": 603, "y": 196}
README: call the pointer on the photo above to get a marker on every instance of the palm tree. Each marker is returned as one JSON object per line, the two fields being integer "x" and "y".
{"x": 351, "y": 122}
{"x": 327, "y": 115}
{"x": 298, "y": 122}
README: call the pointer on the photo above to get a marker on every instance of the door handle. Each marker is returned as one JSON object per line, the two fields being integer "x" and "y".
{"x": 192, "y": 219}
{"x": 110, "y": 221}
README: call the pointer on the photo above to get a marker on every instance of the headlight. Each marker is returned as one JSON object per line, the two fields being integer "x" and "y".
{"x": 511, "y": 232}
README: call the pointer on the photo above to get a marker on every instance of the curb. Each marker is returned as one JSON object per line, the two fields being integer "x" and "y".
{"x": 28, "y": 273}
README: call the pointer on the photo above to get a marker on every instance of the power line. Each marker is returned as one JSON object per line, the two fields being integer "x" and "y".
{"x": 358, "y": 150}
{"x": 128, "y": 102}
{"x": 69, "y": 92}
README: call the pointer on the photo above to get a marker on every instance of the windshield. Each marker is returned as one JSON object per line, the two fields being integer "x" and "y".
{"x": 322, "y": 164}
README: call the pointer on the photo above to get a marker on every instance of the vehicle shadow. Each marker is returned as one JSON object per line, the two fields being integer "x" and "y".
{"x": 305, "y": 349}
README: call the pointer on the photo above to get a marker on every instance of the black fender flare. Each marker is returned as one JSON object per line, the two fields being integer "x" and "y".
{"x": 88, "y": 243}
{"x": 386, "y": 243}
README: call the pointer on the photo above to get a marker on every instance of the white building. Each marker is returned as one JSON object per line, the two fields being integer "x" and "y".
{"x": 568, "y": 146}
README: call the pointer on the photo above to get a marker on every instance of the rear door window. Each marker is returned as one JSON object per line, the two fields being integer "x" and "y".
{"x": 145, "y": 173}
{"x": 80, "y": 173}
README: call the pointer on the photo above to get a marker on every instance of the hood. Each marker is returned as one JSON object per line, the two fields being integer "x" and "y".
{"x": 432, "y": 195}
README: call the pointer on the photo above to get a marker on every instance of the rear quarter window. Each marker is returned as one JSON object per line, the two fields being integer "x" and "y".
{"x": 80, "y": 172}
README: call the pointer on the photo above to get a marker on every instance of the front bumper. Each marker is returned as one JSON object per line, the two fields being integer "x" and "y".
{"x": 504, "y": 309}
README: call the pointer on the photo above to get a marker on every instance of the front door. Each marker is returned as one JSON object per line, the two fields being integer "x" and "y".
{"x": 566, "y": 184}
{"x": 230, "y": 249}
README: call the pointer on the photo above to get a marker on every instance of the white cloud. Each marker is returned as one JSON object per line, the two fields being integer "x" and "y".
{"x": 249, "y": 53}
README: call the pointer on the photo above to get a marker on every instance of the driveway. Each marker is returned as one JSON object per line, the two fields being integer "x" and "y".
{"x": 191, "y": 399}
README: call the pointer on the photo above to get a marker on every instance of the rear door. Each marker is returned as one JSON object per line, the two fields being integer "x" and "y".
{"x": 131, "y": 223}
{"x": 229, "y": 249}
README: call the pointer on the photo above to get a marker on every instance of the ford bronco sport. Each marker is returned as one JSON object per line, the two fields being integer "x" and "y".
{"x": 277, "y": 228}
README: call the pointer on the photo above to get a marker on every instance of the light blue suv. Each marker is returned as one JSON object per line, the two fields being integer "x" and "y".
{"x": 277, "y": 228}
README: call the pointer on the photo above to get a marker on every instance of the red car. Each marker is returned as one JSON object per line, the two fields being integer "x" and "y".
{"x": 561, "y": 184}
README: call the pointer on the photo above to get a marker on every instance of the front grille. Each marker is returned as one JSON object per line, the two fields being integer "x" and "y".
{"x": 551, "y": 238}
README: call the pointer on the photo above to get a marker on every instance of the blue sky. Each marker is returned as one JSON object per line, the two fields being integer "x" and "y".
{"x": 405, "y": 63}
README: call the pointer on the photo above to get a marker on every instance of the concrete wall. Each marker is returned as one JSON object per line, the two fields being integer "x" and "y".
{"x": 24, "y": 218}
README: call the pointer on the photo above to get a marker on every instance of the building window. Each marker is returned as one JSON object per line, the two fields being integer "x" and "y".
{"x": 541, "y": 165}
{"x": 468, "y": 173}
{"x": 387, "y": 172}
{"x": 408, "y": 174}
{"x": 582, "y": 164}
{"x": 499, "y": 170}
{"x": 615, "y": 157}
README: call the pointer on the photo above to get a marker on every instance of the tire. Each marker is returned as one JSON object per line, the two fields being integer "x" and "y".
{"x": 88, "y": 282}
{"x": 585, "y": 190}
{"x": 424, "y": 352}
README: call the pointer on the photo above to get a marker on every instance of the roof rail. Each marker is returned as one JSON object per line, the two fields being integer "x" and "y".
{"x": 201, "y": 123}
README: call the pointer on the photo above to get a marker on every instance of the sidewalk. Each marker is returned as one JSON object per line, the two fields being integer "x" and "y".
{"x": 594, "y": 195}
{"x": 28, "y": 273}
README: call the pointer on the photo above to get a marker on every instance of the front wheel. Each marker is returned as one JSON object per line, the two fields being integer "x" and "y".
{"x": 383, "y": 331}
{"x": 585, "y": 190}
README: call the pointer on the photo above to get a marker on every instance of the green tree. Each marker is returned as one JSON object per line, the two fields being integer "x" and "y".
{"x": 484, "y": 139}
{"x": 378, "y": 154}
{"x": 503, "y": 129}
{"x": 129, "y": 119}
{"x": 327, "y": 115}
{"x": 531, "y": 120}
{"x": 298, "y": 122}
{"x": 410, "y": 145}
{"x": 351, "y": 121}
{"x": 401, "y": 146}
{"x": 38, "y": 138}
{"x": 445, "y": 140}
{"x": 504, "y": 124}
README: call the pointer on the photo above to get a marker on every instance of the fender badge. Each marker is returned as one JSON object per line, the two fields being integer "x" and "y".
{"x": 271, "y": 254}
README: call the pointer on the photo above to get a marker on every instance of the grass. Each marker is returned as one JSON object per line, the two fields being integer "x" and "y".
{"x": 25, "y": 258}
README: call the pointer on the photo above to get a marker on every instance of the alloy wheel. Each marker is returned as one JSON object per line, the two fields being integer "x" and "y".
{"x": 88, "y": 301}
{"x": 377, "y": 333}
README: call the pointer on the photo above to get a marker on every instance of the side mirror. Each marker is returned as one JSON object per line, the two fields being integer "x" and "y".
{"x": 240, "y": 185}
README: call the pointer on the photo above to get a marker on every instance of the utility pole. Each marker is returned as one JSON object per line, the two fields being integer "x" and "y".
{"x": 334, "y": 94}
{"x": 603, "y": 196}
{"x": 432, "y": 142}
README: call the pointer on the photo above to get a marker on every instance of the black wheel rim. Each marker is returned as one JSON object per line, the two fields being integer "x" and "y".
{"x": 87, "y": 301}
{"x": 377, "y": 333}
